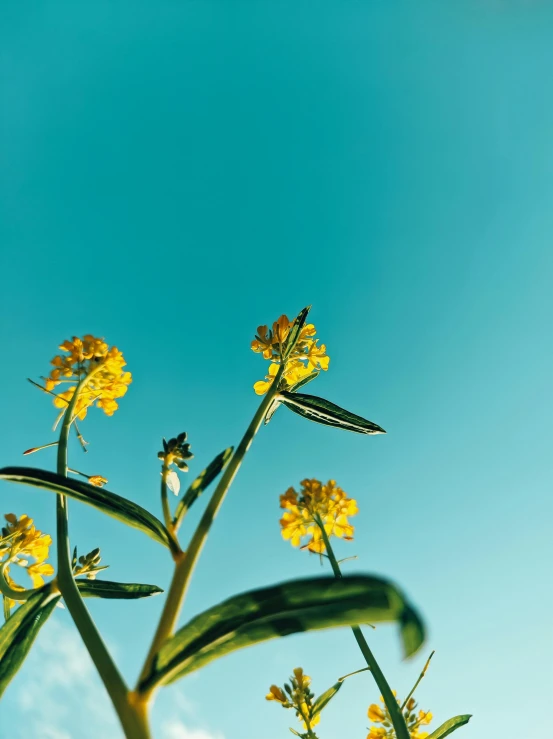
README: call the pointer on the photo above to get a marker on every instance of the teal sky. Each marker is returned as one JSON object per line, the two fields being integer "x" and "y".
{"x": 174, "y": 174}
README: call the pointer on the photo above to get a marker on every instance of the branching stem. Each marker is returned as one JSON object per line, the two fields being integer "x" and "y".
{"x": 184, "y": 565}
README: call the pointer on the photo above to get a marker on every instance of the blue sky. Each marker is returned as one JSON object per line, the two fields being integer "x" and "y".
{"x": 175, "y": 175}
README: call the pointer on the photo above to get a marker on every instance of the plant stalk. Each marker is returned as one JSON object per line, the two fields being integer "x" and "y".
{"x": 184, "y": 565}
{"x": 394, "y": 710}
{"x": 133, "y": 724}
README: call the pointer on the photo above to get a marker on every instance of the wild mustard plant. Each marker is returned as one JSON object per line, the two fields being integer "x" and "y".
{"x": 299, "y": 696}
{"x": 320, "y": 512}
{"x": 90, "y": 374}
{"x": 384, "y": 729}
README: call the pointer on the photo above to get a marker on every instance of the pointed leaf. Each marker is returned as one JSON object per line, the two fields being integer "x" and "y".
{"x": 294, "y": 333}
{"x": 114, "y": 505}
{"x": 450, "y": 726}
{"x": 119, "y": 590}
{"x": 289, "y": 608}
{"x": 19, "y": 632}
{"x": 271, "y": 411}
{"x": 412, "y": 630}
{"x": 202, "y": 481}
{"x": 326, "y": 697}
{"x": 323, "y": 411}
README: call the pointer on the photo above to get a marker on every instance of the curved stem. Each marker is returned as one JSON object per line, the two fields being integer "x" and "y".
{"x": 133, "y": 724}
{"x": 8, "y": 591}
{"x": 185, "y": 563}
{"x": 394, "y": 710}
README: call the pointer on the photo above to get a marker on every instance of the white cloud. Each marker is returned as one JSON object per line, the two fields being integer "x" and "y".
{"x": 61, "y": 696}
{"x": 175, "y": 729}
{"x": 60, "y": 683}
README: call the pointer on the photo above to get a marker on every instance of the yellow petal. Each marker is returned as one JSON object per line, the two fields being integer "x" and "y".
{"x": 376, "y": 713}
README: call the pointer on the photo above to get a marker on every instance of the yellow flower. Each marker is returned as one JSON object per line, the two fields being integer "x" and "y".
{"x": 263, "y": 342}
{"x": 20, "y": 541}
{"x": 425, "y": 717}
{"x": 316, "y": 356}
{"x": 89, "y": 357}
{"x": 97, "y": 480}
{"x": 376, "y": 714}
{"x": 300, "y": 698}
{"x": 303, "y": 681}
{"x": 329, "y": 502}
{"x": 37, "y": 572}
{"x": 261, "y": 387}
{"x": 306, "y": 358}
{"x": 276, "y": 694}
{"x": 381, "y": 715}
{"x": 377, "y": 732}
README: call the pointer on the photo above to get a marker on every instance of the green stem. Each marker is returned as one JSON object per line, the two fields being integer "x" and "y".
{"x": 416, "y": 685}
{"x": 394, "y": 710}
{"x": 164, "y": 500}
{"x": 133, "y": 724}
{"x": 307, "y": 723}
{"x": 8, "y": 591}
{"x": 185, "y": 564}
{"x": 350, "y": 674}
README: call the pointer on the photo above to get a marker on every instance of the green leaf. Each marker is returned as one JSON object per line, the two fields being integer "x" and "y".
{"x": 201, "y": 482}
{"x": 412, "y": 630}
{"x": 326, "y": 697}
{"x": 114, "y": 505}
{"x": 323, "y": 411}
{"x": 294, "y": 333}
{"x": 450, "y": 726}
{"x": 120, "y": 590}
{"x": 19, "y": 632}
{"x": 268, "y": 613}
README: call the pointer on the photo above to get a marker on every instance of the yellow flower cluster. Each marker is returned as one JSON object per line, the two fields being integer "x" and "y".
{"x": 89, "y": 357}
{"x": 299, "y": 697}
{"x": 328, "y": 502}
{"x": 98, "y": 481}
{"x": 20, "y": 541}
{"x": 413, "y": 720}
{"x": 306, "y": 358}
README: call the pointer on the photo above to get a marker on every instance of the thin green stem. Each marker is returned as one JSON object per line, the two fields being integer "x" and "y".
{"x": 34, "y": 449}
{"x": 307, "y": 723}
{"x": 394, "y": 710}
{"x": 8, "y": 591}
{"x": 350, "y": 674}
{"x": 184, "y": 566}
{"x": 133, "y": 725}
{"x": 416, "y": 685}
{"x": 164, "y": 500}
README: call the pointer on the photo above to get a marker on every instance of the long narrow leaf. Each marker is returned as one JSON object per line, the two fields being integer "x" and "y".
{"x": 114, "y": 505}
{"x": 19, "y": 632}
{"x": 325, "y": 698}
{"x": 323, "y": 411}
{"x": 294, "y": 333}
{"x": 450, "y": 726}
{"x": 289, "y": 608}
{"x": 116, "y": 590}
{"x": 204, "y": 479}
